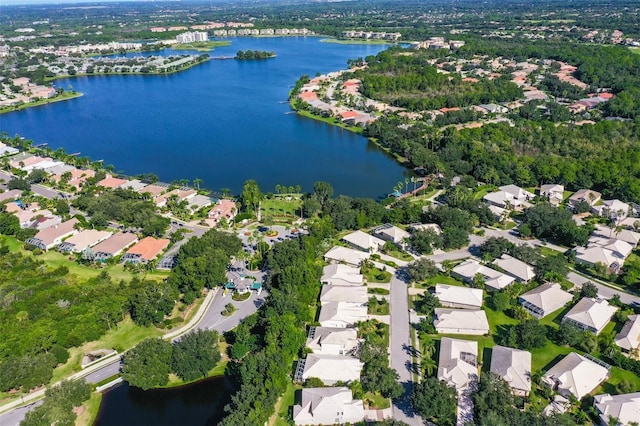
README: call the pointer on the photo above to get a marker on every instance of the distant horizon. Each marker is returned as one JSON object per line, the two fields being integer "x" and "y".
{"x": 66, "y": 2}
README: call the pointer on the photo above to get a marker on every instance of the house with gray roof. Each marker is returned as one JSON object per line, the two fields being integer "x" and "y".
{"x": 346, "y": 255}
{"x": 363, "y": 241}
{"x": 341, "y": 293}
{"x": 544, "y": 299}
{"x": 514, "y": 366}
{"x": 493, "y": 279}
{"x": 327, "y": 406}
{"x": 624, "y": 408}
{"x": 52, "y": 236}
{"x": 332, "y": 341}
{"x": 458, "y": 362}
{"x": 575, "y": 375}
{"x": 591, "y": 314}
{"x": 342, "y": 314}
{"x": 553, "y": 192}
{"x": 516, "y": 268}
{"x": 629, "y": 337}
{"x": 452, "y": 296}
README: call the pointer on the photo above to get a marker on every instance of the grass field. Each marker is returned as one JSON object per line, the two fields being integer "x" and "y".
{"x": 201, "y": 46}
{"x": 279, "y": 206}
{"x": 283, "y": 407}
{"x": 91, "y": 408}
{"x": 332, "y": 121}
{"x": 62, "y": 97}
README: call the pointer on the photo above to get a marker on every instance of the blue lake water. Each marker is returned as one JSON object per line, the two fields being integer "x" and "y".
{"x": 224, "y": 122}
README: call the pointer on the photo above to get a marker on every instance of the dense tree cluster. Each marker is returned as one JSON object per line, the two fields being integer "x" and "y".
{"x": 202, "y": 262}
{"x": 58, "y": 405}
{"x": 254, "y": 54}
{"x": 148, "y": 365}
{"x": 435, "y": 401}
{"x": 264, "y": 346}
{"x": 547, "y": 221}
{"x": 124, "y": 206}
{"x": 376, "y": 374}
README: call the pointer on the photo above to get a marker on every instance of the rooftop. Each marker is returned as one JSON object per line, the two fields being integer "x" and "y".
{"x": 149, "y": 247}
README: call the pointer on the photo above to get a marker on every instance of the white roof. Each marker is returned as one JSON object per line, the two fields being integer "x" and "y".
{"x": 551, "y": 188}
{"x": 625, "y": 407}
{"x": 576, "y": 374}
{"x": 591, "y": 313}
{"x": 501, "y": 198}
{"x": 548, "y": 297}
{"x": 585, "y": 195}
{"x": 597, "y": 254}
{"x": 616, "y": 205}
{"x": 347, "y": 255}
{"x": 87, "y": 238}
{"x": 627, "y": 235}
{"x": 458, "y": 364}
{"x": 394, "y": 233}
{"x": 493, "y": 278}
{"x": 341, "y": 313}
{"x": 517, "y": 192}
{"x": 343, "y": 293}
{"x": 629, "y": 336}
{"x": 425, "y": 226}
{"x": 363, "y": 240}
{"x": 513, "y": 365}
{"x": 345, "y": 338}
{"x": 332, "y": 368}
{"x": 325, "y": 405}
{"x": 451, "y": 294}
{"x": 461, "y": 321}
{"x": 134, "y": 185}
{"x": 516, "y": 268}
{"x": 342, "y": 274}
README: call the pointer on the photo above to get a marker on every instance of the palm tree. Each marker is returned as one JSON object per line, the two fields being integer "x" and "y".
{"x": 428, "y": 365}
{"x": 278, "y": 188}
{"x": 197, "y": 182}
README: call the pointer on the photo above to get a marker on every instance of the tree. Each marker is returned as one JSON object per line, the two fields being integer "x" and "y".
{"x": 251, "y": 196}
{"x": 426, "y": 303}
{"x": 425, "y": 241}
{"x": 147, "y": 365}
{"x": 589, "y": 289}
{"x": 500, "y": 301}
{"x": 421, "y": 269}
{"x": 529, "y": 334}
{"x": 19, "y": 183}
{"x": 37, "y": 176}
{"x": 494, "y": 247}
{"x": 323, "y": 192}
{"x": 196, "y": 354}
{"x": 435, "y": 401}
{"x": 62, "y": 207}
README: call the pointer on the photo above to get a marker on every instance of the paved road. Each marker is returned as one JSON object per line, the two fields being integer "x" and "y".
{"x": 16, "y": 416}
{"x": 400, "y": 345}
{"x": 104, "y": 373}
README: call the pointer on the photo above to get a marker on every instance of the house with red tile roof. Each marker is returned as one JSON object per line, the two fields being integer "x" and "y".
{"x": 111, "y": 182}
{"x": 308, "y": 96}
{"x": 145, "y": 250}
{"x": 223, "y": 209}
{"x": 349, "y": 115}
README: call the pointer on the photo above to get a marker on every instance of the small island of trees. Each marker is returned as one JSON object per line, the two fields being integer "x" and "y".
{"x": 254, "y": 54}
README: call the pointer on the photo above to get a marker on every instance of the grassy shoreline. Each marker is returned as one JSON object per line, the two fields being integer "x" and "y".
{"x": 355, "y": 41}
{"x": 59, "y": 98}
{"x": 201, "y": 46}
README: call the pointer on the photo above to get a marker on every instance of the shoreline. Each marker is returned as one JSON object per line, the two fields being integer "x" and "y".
{"x": 354, "y": 129}
{"x": 59, "y": 98}
{"x": 356, "y": 41}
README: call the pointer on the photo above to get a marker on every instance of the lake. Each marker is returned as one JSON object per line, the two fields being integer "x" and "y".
{"x": 199, "y": 403}
{"x": 224, "y": 122}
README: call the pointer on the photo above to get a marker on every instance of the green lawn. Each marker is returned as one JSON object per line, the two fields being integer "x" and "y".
{"x": 279, "y": 206}
{"x": 482, "y": 191}
{"x": 287, "y": 400}
{"x": 441, "y": 279}
{"x": 377, "y": 401}
{"x": 201, "y": 46}
{"x": 331, "y": 121}
{"x": 375, "y": 275}
{"x": 91, "y": 408}
{"x": 399, "y": 255}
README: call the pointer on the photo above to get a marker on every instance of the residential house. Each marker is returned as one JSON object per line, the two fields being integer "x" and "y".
{"x": 223, "y": 209}
{"x": 629, "y": 337}
{"x": 458, "y": 362}
{"x": 180, "y": 194}
{"x": 624, "y": 408}
{"x": 326, "y": 406}
{"x": 588, "y": 196}
{"x": 344, "y": 275}
{"x": 114, "y": 245}
{"x": 451, "y": 296}
{"x": 392, "y": 233}
{"x": 44, "y": 222}
{"x": 426, "y": 226}
{"x": 83, "y": 240}
{"x": 590, "y": 314}
{"x": 613, "y": 209}
{"x": 509, "y": 197}
{"x": 346, "y": 255}
{"x": 461, "y": 321}
{"x": 626, "y": 235}
{"x": 145, "y": 250}
{"x": 514, "y": 366}
{"x": 153, "y": 190}
{"x": 553, "y": 192}
{"x": 76, "y": 177}
{"x": 198, "y": 202}
{"x": 332, "y": 341}
{"x": 600, "y": 255}
{"x": 112, "y": 182}
{"x": 340, "y": 293}
{"x": 493, "y": 279}
{"x": 544, "y": 299}
{"x": 52, "y": 236}
{"x": 341, "y": 314}
{"x": 363, "y": 241}
{"x": 519, "y": 270}
{"x": 28, "y": 217}
{"x": 12, "y": 194}
{"x": 576, "y": 375}
{"x": 134, "y": 185}
{"x": 329, "y": 368}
